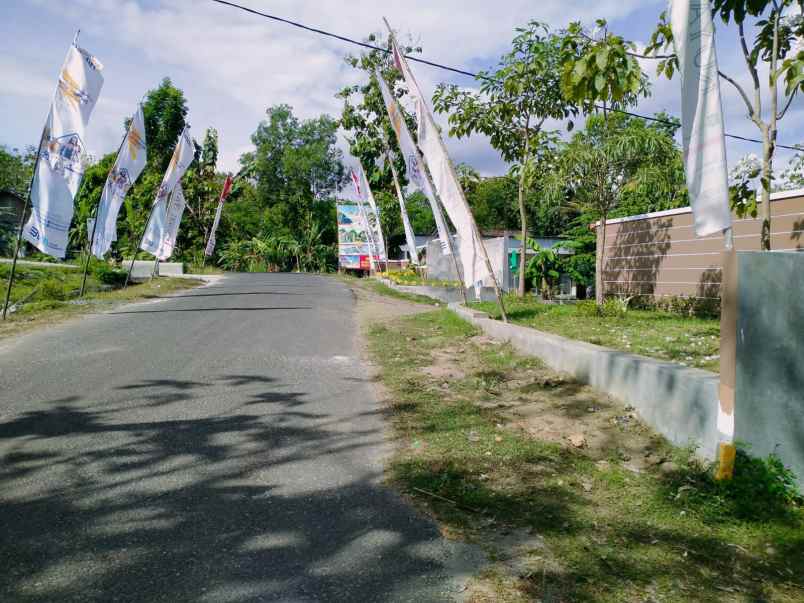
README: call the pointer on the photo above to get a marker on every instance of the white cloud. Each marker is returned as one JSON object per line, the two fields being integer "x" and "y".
{"x": 233, "y": 65}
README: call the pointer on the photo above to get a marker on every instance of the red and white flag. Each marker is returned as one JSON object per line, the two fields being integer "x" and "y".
{"x": 227, "y": 188}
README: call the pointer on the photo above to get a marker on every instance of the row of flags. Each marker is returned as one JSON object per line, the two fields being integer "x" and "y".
{"x": 60, "y": 169}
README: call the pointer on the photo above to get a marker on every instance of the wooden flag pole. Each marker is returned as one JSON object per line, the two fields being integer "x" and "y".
{"x": 137, "y": 248}
{"x": 475, "y": 231}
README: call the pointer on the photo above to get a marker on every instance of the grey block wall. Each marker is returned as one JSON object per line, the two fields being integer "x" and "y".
{"x": 769, "y": 393}
{"x": 679, "y": 402}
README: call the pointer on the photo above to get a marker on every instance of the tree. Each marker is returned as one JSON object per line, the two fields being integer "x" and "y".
{"x": 603, "y": 161}
{"x": 772, "y": 50}
{"x": 512, "y": 106}
{"x": 544, "y": 269}
{"x": 165, "y": 112}
{"x": 15, "y": 169}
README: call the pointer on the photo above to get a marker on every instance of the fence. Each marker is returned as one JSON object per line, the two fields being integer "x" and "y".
{"x": 658, "y": 254}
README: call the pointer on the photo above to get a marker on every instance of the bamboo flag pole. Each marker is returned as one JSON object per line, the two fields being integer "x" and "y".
{"x": 434, "y": 202}
{"x": 475, "y": 230}
{"x": 136, "y": 249}
{"x": 97, "y": 207}
{"x": 25, "y": 207}
{"x": 413, "y": 252}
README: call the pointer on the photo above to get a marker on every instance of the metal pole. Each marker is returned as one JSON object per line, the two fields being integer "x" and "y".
{"x": 136, "y": 249}
{"x": 475, "y": 230}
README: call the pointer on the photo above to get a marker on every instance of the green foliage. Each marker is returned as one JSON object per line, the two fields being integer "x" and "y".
{"x": 761, "y": 489}
{"x": 600, "y": 69}
{"x": 52, "y": 289}
{"x": 107, "y": 275}
{"x": 515, "y": 100}
{"x": 165, "y": 110}
{"x": 15, "y": 169}
{"x": 543, "y": 269}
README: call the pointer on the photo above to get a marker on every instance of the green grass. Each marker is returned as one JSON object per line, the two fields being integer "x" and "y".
{"x": 690, "y": 341}
{"x": 50, "y": 295}
{"x": 607, "y": 533}
{"x": 376, "y": 286}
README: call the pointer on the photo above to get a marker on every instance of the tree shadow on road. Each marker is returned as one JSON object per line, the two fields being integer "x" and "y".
{"x": 262, "y": 503}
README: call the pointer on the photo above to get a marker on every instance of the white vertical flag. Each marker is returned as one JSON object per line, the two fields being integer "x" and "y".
{"x": 701, "y": 115}
{"x": 447, "y": 185}
{"x": 128, "y": 167}
{"x": 60, "y": 167}
{"x": 173, "y": 216}
{"x": 156, "y": 230}
{"x": 414, "y": 163}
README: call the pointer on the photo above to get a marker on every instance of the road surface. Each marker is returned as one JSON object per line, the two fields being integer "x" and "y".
{"x": 223, "y": 445}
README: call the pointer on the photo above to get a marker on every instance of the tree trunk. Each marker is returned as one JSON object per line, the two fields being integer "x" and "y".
{"x": 769, "y": 140}
{"x": 601, "y": 249}
{"x": 523, "y": 218}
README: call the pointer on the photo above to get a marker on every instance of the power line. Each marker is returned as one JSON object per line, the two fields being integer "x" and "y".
{"x": 348, "y": 40}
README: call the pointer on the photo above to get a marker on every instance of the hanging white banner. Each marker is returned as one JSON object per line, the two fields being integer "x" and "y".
{"x": 128, "y": 167}
{"x": 156, "y": 230}
{"x": 701, "y": 115}
{"x": 173, "y": 216}
{"x": 449, "y": 189}
{"x": 61, "y": 154}
{"x": 414, "y": 162}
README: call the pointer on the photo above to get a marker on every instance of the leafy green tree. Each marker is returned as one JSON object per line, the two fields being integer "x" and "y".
{"x": 15, "y": 169}
{"x": 543, "y": 269}
{"x": 772, "y": 54}
{"x": 603, "y": 161}
{"x": 512, "y": 106}
{"x": 165, "y": 112}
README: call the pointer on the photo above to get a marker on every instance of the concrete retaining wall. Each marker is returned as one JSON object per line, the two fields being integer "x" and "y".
{"x": 680, "y": 403}
{"x": 144, "y": 268}
{"x": 447, "y": 295}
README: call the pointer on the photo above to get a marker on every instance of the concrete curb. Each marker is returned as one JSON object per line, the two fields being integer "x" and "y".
{"x": 447, "y": 295}
{"x": 679, "y": 402}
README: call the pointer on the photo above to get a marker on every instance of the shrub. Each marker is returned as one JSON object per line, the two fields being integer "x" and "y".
{"x": 52, "y": 289}
{"x": 109, "y": 275}
{"x": 586, "y": 308}
{"x": 761, "y": 489}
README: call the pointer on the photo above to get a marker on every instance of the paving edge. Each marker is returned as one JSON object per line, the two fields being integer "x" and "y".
{"x": 679, "y": 402}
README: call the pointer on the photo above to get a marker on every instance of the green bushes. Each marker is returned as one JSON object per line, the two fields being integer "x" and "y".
{"x": 52, "y": 289}
{"x": 108, "y": 275}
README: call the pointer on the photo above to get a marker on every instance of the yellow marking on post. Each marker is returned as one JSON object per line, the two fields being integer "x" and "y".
{"x": 726, "y": 454}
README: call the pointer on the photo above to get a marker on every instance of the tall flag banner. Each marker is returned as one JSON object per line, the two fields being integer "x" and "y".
{"x": 701, "y": 115}
{"x": 475, "y": 269}
{"x": 410, "y": 237}
{"x": 127, "y": 168}
{"x": 414, "y": 163}
{"x": 156, "y": 231}
{"x": 61, "y": 152}
{"x": 227, "y": 188}
{"x": 173, "y": 216}
{"x": 365, "y": 196}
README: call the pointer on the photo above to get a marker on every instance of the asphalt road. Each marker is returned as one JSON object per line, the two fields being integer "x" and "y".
{"x": 222, "y": 445}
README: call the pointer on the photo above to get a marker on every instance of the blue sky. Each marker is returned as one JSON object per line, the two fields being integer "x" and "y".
{"x": 233, "y": 66}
